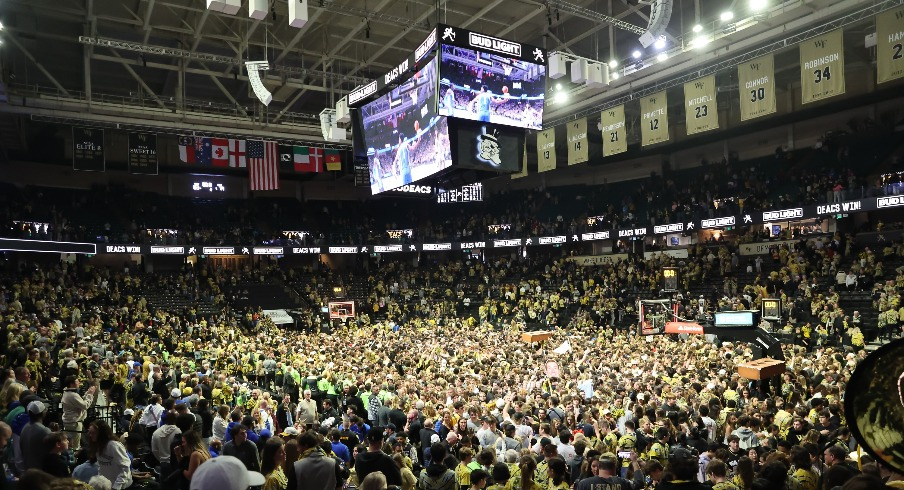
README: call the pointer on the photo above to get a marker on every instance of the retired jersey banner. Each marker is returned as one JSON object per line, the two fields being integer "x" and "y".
{"x": 822, "y": 66}
{"x": 756, "y": 86}
{"x": 890, "y": 40}
{"x": 143, "y": 153}
{"x": 700, "y": 105}
{"x": 578, "y": 151}
{"x": 88, "y": 149}
{"x": 615, "y": 136}
{"x": 546, "y": 150}
{"x": 654, "y": 119}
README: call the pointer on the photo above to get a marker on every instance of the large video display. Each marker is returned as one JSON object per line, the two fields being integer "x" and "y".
{"x": 491, "y": 87}
{"x": 406, "y": 139}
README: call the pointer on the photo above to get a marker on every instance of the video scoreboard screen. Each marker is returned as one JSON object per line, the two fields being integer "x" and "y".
{"x": 467, "y": 193}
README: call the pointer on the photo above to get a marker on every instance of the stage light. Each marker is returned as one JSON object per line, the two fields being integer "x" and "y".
{"x": 757, "y": 5}
{"x": 636, "y": 54}
{"x": 660, "y": 43}
{"x": 613, "y": 64}
{"x": 662, "y": 57}
{"x": 561, "y": 97}
{"x": 698, "y": 28}
{"x": 726, "y": 16}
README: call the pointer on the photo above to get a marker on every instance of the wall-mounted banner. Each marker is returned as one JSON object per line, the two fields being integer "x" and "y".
{"x": 762, "y": 248}
{"x": 143, "y": 153}
{"x": 578, "y": 149}
{"x": 678, "y": 253}
{"x": 700, "y": 105}
{"x": 890, "y": 45}
{"x": 756, "y": 86}
{"x": 822, "y": 66}
{"x": 546, "y": 150}
{"x": 654, "y": 119}
{"x": 88, "y": 149}
{"x": 615, "y": 135}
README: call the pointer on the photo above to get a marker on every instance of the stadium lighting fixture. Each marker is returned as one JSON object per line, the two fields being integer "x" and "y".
{"x": 558, "y": 86}
{"x": 614, "y": 75}
{"x": 697, "y": 28}
{"x": 700, "y": 41}
{"x": 636, "y": 54}
{"x": 613, "y": 64}
{"x": 662, "y": 57}
{"x": 726, "y": 16}
{"x": 757, "y": 5}
{"x": 1, "y": 26}
{"x": 561, "y": 97}
{"x": 660, "y": 43}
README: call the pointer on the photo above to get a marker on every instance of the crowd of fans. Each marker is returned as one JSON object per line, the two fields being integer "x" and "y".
{"x": 419, "y": 392}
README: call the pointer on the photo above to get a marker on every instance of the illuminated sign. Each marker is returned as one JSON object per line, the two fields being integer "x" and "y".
{"x": 551, "y": 240}
{"x": 469, "y": 245}
{"x": 599, "y": 235}
{"x": 434, "y": 247}
{"x": 343, "y": 250}
{"x": 515, "y": 242}
{"x": 718, "y": 222}
{"x": 388, "y": 248}
{"x": 123, "y": 249}
{"x": 890, "y": 202}
{"x": 839, "y": 207}
{"x": 672, "y": 228}
{"x": 634, "y": 232}
{"x": 268, "y": 251}
{"x": 167, "y": 250}
{"x": 493, "y": 44}
{"x": 218, "y": 250}
{"x": 306, "y": 250}
{"x": 784, "y": 214}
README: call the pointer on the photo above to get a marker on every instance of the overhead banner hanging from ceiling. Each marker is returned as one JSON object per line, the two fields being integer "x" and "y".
{"x": 756, "y": 86}
{"x": 546, "y": 150}
{"x": 700, "y": 105}
{"x": 654, "y": 119}
{"x": 890, "y": 45}
{"x": 578, "y": 151}
{"x": 822, "y": 66}
{"x": 615, "y": 135}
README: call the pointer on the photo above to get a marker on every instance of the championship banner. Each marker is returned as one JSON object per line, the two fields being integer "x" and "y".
{"x": 615, "y": 136}
{"x": 890, "y": 48}
{"x": 546, "y": 150}
{"x": 654, "y": 119}
{"x": 143, "y": 153}
{"x": 700, "y": 108}
{"x": 578, "y": 151}
{"x": 523, "y": 171}
{"x": 88, "y": 149}
{"x": 756, "y": 86}
{"x": 822, "y": 66}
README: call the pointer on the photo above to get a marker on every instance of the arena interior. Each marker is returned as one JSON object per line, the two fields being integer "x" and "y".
{"x": 203, "y": 287}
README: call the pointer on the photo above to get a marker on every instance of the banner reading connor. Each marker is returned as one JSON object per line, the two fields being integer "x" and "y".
{"x": 756, "y": 86}
{"x": 700, "y": 105}
{"x": 546, "y": 150}
{"x": 654, "y": 119}
{"x": 822, "y": 66}
{"x": 578, "y": 151}
{"x": 890, "y": 53}
{"x": 143, "y": 153}
{"x": 615, "y": 136}
{"x": 88, "y": 149}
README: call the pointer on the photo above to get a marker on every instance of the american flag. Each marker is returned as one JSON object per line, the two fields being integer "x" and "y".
{"x": 263, "y": 165}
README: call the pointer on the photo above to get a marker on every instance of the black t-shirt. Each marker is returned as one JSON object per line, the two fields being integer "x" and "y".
{"x": 683, "y": 485}
{"x": 56, "y": 465}
{"x": 600, "y": 483}
{"x": 371, "y": 461}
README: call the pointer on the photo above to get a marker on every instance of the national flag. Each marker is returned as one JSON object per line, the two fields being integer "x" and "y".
{"x": 334, "y": 160}
{"x": 263, "y": 165}
{"x": 307, "y": 158}
{"x": 237, "y": 154}
{"x": 194, "y": 150}
{"x": 219, "y": 152}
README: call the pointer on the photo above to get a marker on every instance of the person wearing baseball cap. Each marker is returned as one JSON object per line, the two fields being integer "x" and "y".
{"x": 32, "y": 436}
{"x": 225, "y": 473}
{"x": 374, "y": 459}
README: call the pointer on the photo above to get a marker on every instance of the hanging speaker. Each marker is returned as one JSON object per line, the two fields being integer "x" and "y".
{"x": 557, "y": 67}
{"x": 597, "y": 75}
{"x": 257, "y": 9}
{"x": 579, "y": 71}
{"x": 660, "y": 13}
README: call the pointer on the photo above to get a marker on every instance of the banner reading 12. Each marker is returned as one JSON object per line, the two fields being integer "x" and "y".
{"x": 654, "y": 119}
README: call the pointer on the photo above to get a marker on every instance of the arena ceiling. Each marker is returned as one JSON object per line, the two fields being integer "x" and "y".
{"x": 344, "y": 43}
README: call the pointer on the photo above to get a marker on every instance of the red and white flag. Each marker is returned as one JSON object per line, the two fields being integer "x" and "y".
{"x": 237, "y": 154}
{"x": 263, "y": 165}
{"x": 219, "y": 152}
